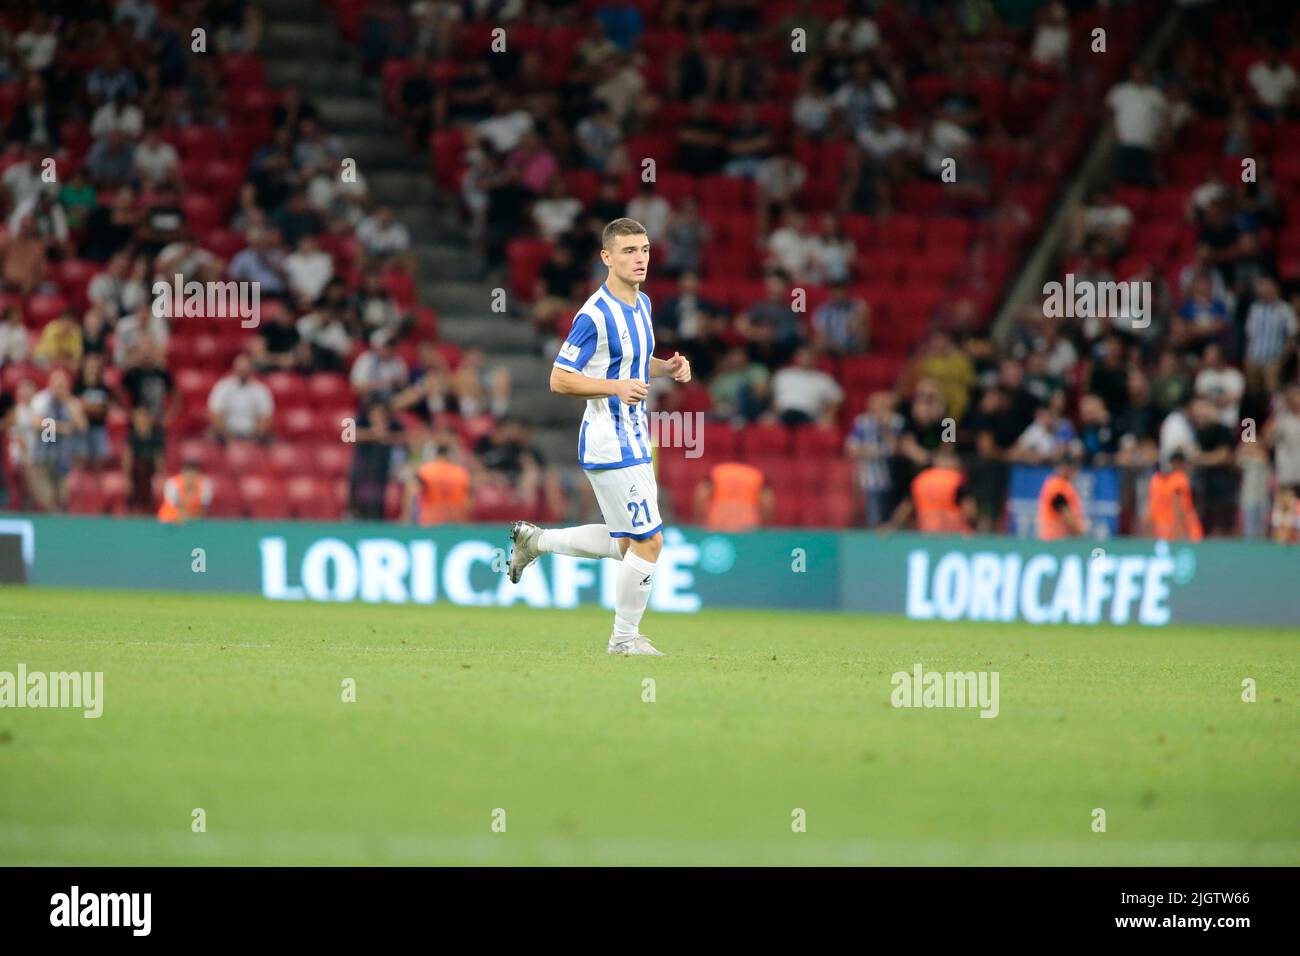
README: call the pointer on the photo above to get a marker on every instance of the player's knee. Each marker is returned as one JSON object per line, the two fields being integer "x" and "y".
{"x": 649, "y": 548}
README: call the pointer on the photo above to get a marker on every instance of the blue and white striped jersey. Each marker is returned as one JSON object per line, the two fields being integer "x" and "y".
{"x": 612, "y": 340}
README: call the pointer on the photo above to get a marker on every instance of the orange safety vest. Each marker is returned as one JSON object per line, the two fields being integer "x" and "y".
{"x": 737, "y": 490}
{"x": 444, "y": 492}
{"x": 1163, "y": 493}
{"x": 1051, "y": 526}
{"x": 191, "y": 501}
{"x": 934, "y": 492}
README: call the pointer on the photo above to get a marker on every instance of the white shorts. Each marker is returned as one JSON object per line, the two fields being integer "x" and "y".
{"x": 629, "y": 500}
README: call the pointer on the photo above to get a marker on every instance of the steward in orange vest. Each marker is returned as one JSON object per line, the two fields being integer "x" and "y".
{"x": 939, "y": 498}
{"x": 732, "y": 497}
{"x": 185, "y": 496}
{"x": 1060, "y": 510}
{"x": 1169, "y": 503}
{"x": 442, "y": 492}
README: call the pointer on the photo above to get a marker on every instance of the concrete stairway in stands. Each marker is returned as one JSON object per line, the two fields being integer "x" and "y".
{"x": 301, "y": 47}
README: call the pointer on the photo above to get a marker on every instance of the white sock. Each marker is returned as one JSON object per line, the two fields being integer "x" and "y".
{"x": 635, "y": 578}
{"x": 584, "y": 541}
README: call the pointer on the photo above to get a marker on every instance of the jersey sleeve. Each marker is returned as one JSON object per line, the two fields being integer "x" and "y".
{"x": 578, "y": 348}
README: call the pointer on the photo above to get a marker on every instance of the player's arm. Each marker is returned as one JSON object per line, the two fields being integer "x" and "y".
{"x": 566, "y": 382}
{"x": 677, "y": 368}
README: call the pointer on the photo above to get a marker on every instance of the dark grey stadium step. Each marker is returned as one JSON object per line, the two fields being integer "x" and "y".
{"x": 352, "y": 113}
{"x": 492, "y": 333}
{"x": 289, "y": 38}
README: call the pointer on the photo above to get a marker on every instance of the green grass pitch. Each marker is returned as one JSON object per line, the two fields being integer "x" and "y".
{"x": 234, "y": 705}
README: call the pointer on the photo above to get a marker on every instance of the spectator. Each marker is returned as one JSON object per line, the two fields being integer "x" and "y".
{"x": 1214, "y": 456}
{"x": 60, "y": 342}
{"x": 1049, "y": 438}
{"x": 262, "y": 261}
{"x": 117, "y": 291}
{"x": 163, "y": 223}
{"x": 1270, "y": 337}
{"x": 942, "y": 362}
{"x": 143, "y": 324}
{"x": 835, "y": 254}
{"x": 872, "y": 441}
{"x": 1282, "y": 435}
{"x": 51, "y": 224}
{"x": 995, "y": 428}
{"x": 685, "y": 236}
{"x": 382, "y": 236}
{"x": 324, "y": 333}
{"x": 557, "y": 212}
{"x": 1253, "y": 501}
{"x": 186, "y": 496}
{"x": 1203, "y": 318}
{"x": 1273, "y": 82}
{"x": 36, "y": 120}
{"x": 738, "y": 387}
{"x": 1140, "y": 112}
{"x": 1098, "y": 438}
{"x": 700, "y": 143}
{"x": 14, "y": 345}
{"x": 240, "y": 406}
{"x": 770, "y": 327}
{"x": 1221, "y": 385}
{"x": 840, "y": 323}
{"x": 1286, "y": 516}
{"x": 803, "y": 393}
{"x": 22, "y": 259}
{"x": 651, "y": 210}
{"x": 308, "y": 270}
{"x": 146, "y": 382}
{"x": 379, "y": 439}
{"x": 156, "y": 160}
{"x": 142, "y": 458}
{"x": 277, "y": 345}
{"x": 58, "y": 421}
{"x": 598, "y": 135}
{"x": 794, "y": 249}
{"x": 96, "y": 401}
{"x": 749, "y": 144}
{"x": 1051, "y": 45}
{"x": 690, "y": 316}
{"x": 378, "y": 373}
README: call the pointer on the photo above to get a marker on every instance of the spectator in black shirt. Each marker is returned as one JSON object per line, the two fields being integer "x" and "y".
{"x": 1216, "y": 476}
{"x": 378, "y": 436}
{"x": 96, "y": 400}
{"x": 991, "y": 426}
{"x": 164, "y": 222}
{"x": 700, "y": 144}
{"x": 110, "y": 229}
{"x": 1108, "y": 379}
{"x": 142, "y": 458}
{"x": 277, "y": 344}
{"x": 148, "y": 384}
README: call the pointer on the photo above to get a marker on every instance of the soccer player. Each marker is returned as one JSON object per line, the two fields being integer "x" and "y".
{"x": 608, "y": 359}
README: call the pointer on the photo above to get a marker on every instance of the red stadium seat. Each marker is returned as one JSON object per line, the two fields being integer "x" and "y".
{"x": 43, "y": 307}
{"x": 263, "y": 497}
{"x": 817, "y": 441}
{"x": 311, "y": 499}
{"x": 758, "y": 441}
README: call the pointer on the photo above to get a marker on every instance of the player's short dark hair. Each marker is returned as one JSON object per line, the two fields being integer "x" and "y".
{"x": 621, "y": 227}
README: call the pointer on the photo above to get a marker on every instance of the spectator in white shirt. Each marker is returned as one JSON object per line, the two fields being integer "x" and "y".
{"x": 1220, "y": 384}
{"x": 650, "y": 210}
{"x": 1051, "y": 46}
{"x": 309, "y": 268}
{"x": 382, "y": 236}
{"x": 556, "y": 212}
{"x": 794, "y": 248}
{"x": 140, "y": 325}
{"x": 240, "y": 406}
{"x": 1140, "y": 111}
{"x": 15, "y": 345}
{"x": 155, "y": 159}
{"x": 1273, "y": 81}
{"x": 37, "y": 44}
{"x": 23, "y": 179}
{"x": 117, "y": 116}
{"x": 803, "y": 393}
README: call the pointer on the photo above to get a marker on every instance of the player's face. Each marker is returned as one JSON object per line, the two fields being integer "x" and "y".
{"x": 628, "y": 257}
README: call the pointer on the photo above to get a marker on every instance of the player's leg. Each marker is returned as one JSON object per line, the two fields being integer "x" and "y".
{"x": 629, "y": 500}
{"x": 527, "y": 541}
